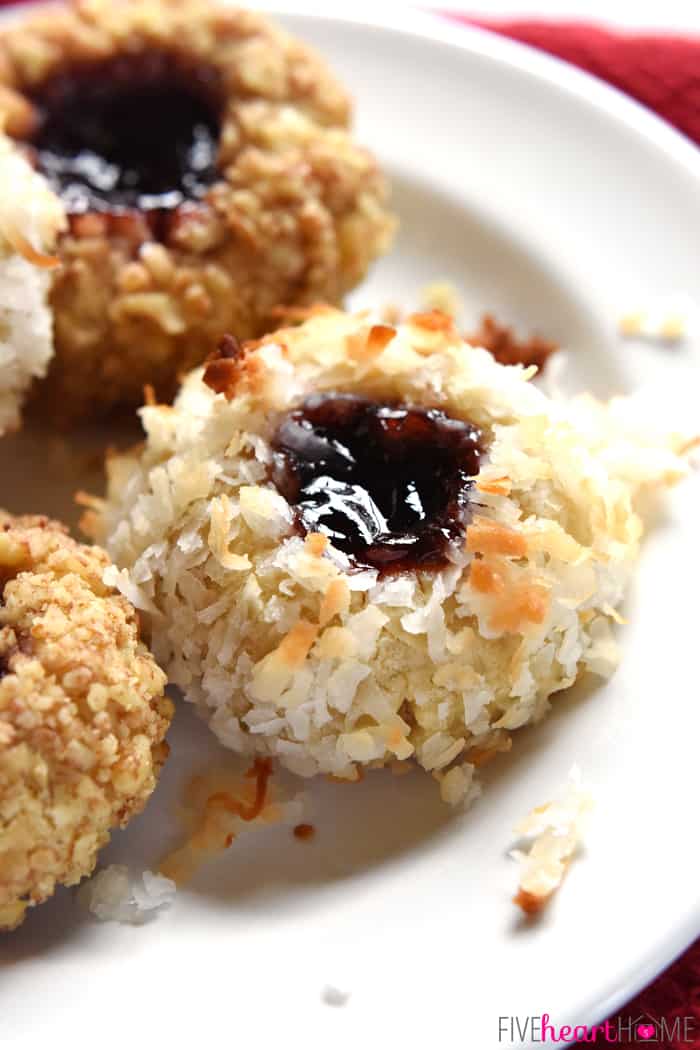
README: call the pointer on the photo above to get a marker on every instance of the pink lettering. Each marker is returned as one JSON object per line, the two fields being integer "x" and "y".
{"x": 545, "y": 1028}
{"x": 581, "y": 1033}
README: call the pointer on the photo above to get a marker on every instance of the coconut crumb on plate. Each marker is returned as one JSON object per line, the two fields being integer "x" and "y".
{"x": 504, "y": 345}
{"x": 556, "y": 829}
{"x": 458, "y": 786}
{"x": 219, "y": 806}
{"x": 665, "y": 321}
{"x": 333, "y": 996}
{"x": 116, "y": 894}
{"x": 499, "y": 339}
{"x": 493, "y": 335}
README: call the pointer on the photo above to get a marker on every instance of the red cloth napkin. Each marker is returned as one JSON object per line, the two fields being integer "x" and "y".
{"x": 662, "y": 71}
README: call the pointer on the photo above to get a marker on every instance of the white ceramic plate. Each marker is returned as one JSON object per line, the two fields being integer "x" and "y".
{"x": 553, "y": 201}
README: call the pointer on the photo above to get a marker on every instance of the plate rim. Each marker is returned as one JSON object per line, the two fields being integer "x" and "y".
{"x": 445, "y": 27}
{"x": 611, "y": 103}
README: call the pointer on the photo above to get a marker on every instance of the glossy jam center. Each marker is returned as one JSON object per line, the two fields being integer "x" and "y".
{"x": 388, "y": 484}
{"x": 130, "y": 133}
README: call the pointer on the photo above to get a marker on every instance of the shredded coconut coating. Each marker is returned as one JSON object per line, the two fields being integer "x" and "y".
{"x": 82, "y": 712}
{"x": 288, "y": 649}
{"x": 30, "y": 219}
{"x": 298, "y": 215}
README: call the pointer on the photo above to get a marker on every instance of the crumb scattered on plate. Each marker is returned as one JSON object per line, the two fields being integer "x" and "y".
{"x": 221, "y": 805}
{"x": 457, "y": 785}
{"x": 501, "y": 340}
{"x": 556, "y": 829}
{"x": 664, "y": 321}
{"x": 304, "y": 831}
{"x": 116, "y": 894}
{"x": 333, "y": 996}
{"x": 508, "y": 349}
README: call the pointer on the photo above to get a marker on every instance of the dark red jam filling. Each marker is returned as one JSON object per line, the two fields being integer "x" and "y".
{"x": 132, "y": 133}
{"x": 388, "y": 484}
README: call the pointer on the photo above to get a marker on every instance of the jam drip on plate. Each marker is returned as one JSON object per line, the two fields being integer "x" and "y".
{"x": 134, "y": 133}
{"x": 389, "y": 484}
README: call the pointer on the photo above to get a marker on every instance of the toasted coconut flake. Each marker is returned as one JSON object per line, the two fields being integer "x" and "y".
{"x": 494, "y": 486}
{"x": 481, "y": 756}
{"x": 355, "y": 775}
{"x": 486, "y": 536}
{"x": 432, "y": 321}
{"x": 688, "y": 446}
{"x": 220, "y": 522}
{"x": 501, "y": 341}
{"x": 86, "y": 499}
{"x": 260, "y": 770}
{"x": 336, "y": 601}
{"x": 295, "y": 647}
{"x": 522, "y": 604}
{"x": 458, "y": 786}
{"x": 25, "y": 248}
{"x": 368, "y": 343}
{"x": 316, "y": 543}
{"x": 379, "y": 336}
{"x": 530, "y": 903}
{"x": 485, "y": 577}
{"x": 556, "y": 829}
{"x": 221, "y": 375}
{"x": 220, "y": 806}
